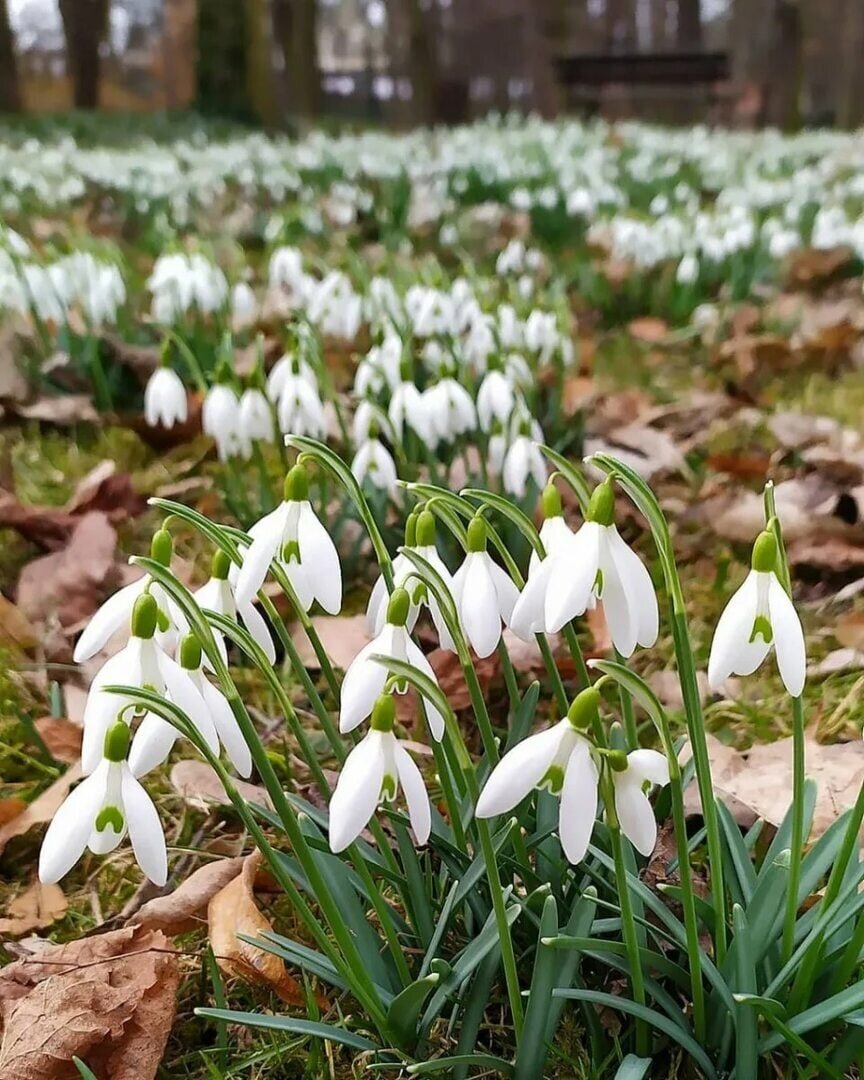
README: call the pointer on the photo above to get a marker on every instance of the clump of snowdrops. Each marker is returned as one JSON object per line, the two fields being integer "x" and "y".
{"x": 497, "y": 874}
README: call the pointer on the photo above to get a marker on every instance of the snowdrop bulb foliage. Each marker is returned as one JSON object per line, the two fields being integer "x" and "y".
{"x": 483, "y": 593}
{"x": 560, "y": 760}
{"x": 99, "y": 813}
{"x": 155, "y": 737}
{"x": 630, "y": 776}
{"x": 293, "y": 535}
{"x": 374, "y": 462}
{"x": 759, "y": 617}
{"x": 597, "y": 565}
{"x": 142, "y": 664}
{"x": 220, "y": 419}
{"x": 365, "y": 678}
{"x": 116, "y": 613}
{"x": 373, "y": 773}
{"x": 165, "y": 399}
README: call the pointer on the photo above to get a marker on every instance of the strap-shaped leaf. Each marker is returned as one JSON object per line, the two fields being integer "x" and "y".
{"x": 293, "y": 1026}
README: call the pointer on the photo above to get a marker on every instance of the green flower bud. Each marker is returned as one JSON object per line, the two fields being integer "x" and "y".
{"x": 297, "y": 484}
{"x": 426, "y": 529}
{"x": 477, "y": 534}
{"x": 117, "y": 739}
{"x": 601, "y": 507}
{"x": 551, "y": 502}
{"x": 411, "y": 529}
{"x": 398, "y": 607}
{"x": 145, "y": 616}
{"x": 585, "y": 709}
{"x": 190, "y": 653}
{"x": 764, "y": 559}
{"x": 220, "y": 564}
{"x": 384, "y": 713}
{"x": 162, "y": 547}
{"x": 617, "y": 760}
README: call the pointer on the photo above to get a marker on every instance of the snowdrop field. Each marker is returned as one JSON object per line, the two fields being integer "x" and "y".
{"x": 431, "y": 612}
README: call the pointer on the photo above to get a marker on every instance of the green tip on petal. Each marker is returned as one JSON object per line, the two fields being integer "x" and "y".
{"x": 398, "y": 608}
{"x": 384, "y": 713}
{"x": 426, "y": 529}
{"x": 551, "y": 502}
{"x": 764, "y": 558}
{"x": 220, "y": 564}
{"x": 411, "y": 529}
{"x": 145, "y": 616}
{"x": 601, "y": 507}
{"x": 585, "y": 709}
{"x": 617, "y": 760}
{"x": 190, "y": 653}
{"x": 297, "y": 484}
{"x": 162, "y": 547}
{"x": 117, "y": 739}
{"x": 477, "y": 534}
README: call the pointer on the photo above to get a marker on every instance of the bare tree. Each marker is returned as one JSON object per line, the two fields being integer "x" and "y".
{"x": 785, "y": 54}
{"x": 295, "y": 25}
{"x": 85, "y": 25}
{"x": 689, "y": 24}
{"x": 850, "y": 104}
{"x": 620, "y": 25}
{"x": 10, "y": 92}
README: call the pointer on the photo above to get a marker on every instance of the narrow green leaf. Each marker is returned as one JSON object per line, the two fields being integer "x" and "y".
{"x": 404, "y": 1011}
{"x": 633, "y": 1068}
{"x": 746, "y": 1030}
{"x": 84, "y": 1070}
{"x": 474, "y": 1002}
{"x": 481, "y": 1061}
{"x": 532, "y": 1051}
{"x": 291, "y": 1025}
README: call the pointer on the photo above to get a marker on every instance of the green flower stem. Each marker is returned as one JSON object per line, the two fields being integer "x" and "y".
{"x": 576, "y": 655}
{"x": 191, "y": 359}
{"x": 310, "y": 632}
{"x": 557, "y": 682}
{"x": 442, "y": 767}
{"x": 101, "y": 389}
{"x": 628, "y": 923}
{"x": 627, "y": 715}
{"x": 509, "y": 677}
{"x": 382, "y": 910}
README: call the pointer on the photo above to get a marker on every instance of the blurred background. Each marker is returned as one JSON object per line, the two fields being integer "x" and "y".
{"x": 288, "y": 63}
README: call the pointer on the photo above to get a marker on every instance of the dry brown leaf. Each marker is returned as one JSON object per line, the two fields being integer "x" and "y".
{"x": 42, "y": 809}
{"x": 109, "y": 1000}
{"x": 648, "y": 329}
{"x": 183, "y": 909}
{"x": 849, "y": 629}
{"x": 760, "y": 779}
{"x": 69, "y": 585}
{"x": 342, "y": 636}
{"x": 601, "y": 641}
{"x": 11, "y": 808}
{"x": 827, "y": 553}
{"x": 233, "y": 911}
{"x": 836, "y": 661}
{"x": 199, "y": 784}
{"x": 15, "y": 628}
{"x": 62, "y": 737}
{"x": 646, "y": 449}
{"x": 448, "y": 671}
{"x": 34, "y": 909}
{"x": 103, "y": 488}
{"x": 577, "y": 392}
{"x": 814, "y": 266}
{"x": 65, "y": 409}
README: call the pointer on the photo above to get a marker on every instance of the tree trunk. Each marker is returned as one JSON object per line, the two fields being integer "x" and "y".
{"x": 295, "y": 24}
{"x": 785, "y": 69}
{"x": 85, "y": 24}
{"x": 10, "y": 91}
{"x": 689, "y": 25}
{"x": 260, "y": 88}
{"x": 422, "y": 64}
{"x": 850, "y": 104}
{"x": 620, "y": 28}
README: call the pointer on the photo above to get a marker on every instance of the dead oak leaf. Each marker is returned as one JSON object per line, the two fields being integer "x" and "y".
{"x": 232, "y": 912}
{"x": 200, "y": 785}
{"x": 342, "y": 636}
{"x": 62, "y": 737}
{"x": 34, "y": 909}
{"x": 183, "y": 909}
{"x": 42, "y": 809}
{"x": 108, "y": 1000}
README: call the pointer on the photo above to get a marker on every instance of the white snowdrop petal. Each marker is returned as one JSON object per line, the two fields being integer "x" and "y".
{"x": 616, "y": 607}
{"x": 145, "y": 830}
{"x": 528, "y": 615}
{"x": 321, "y": 559}
{"x": 184, "y": 694}
{"x": 479, "y": 611}
{"x": 357, "y": 793}
{"x": 576, "y": 565}
{"x": 257, "y": 626}
{"x": 433, "y": 716}
{"x": 638, "y": 588}
{"x": 267, "y": 538}
{"x": 419, "y": 810}
{"x": 649, "y": 765}
{"x": 578, "y": 808}
{"x": 788, "y": 638}
{"x": 519, "y": 771}
{"x": 115, "y": 614}
{"x": 69, "y": 830}
{"x": 635, "y": 813}
{"x": 152, "y": 743}
{"x": 732, "y": 652}
{"x": 505, "y": 590}
{"x": 364, "y": 681}
{"x": 227, "y": 728}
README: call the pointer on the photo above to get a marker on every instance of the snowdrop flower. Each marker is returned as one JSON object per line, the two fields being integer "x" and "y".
{"x": 116, "y": 613}
{"x": 630, "y": 774}
{"x": 528, "y": 616}
{"x": 688, "y": 269}
{"x": 365, "y": 678}
{"x": 373, "y": 773}
{"x": 155, "y": 737}
{"x": 524, "y": 459}
{"x": 255, "y": 419}
{"x": 141, "y": 663}
{"x": 407, "y": 409}
{"x": 165, "y": 398}
{"x": 558, "y": 759}
{"x": 450, "y": 409}
{"x": 758, "y": 617}
{"x": 217, "y": 594}
{"x": 373, "y": 461}
{"x": 286, "y": 367}
{"x": 293, "y": 535}
{"x": 220, "y": 419}
{"x": 420, "y": 537}
{"x": 598, "y": 565}
{"x": 484, "y": 595}
{"x": 244, "y": 306}
{"x": 380, "y": 367}
{"x": 368, "y": 420}
{"x": 105, "y": 806}
{"x": 300, "y": 409}
{"x": 286, "y": 267}
{"x": 496, "y": 399}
